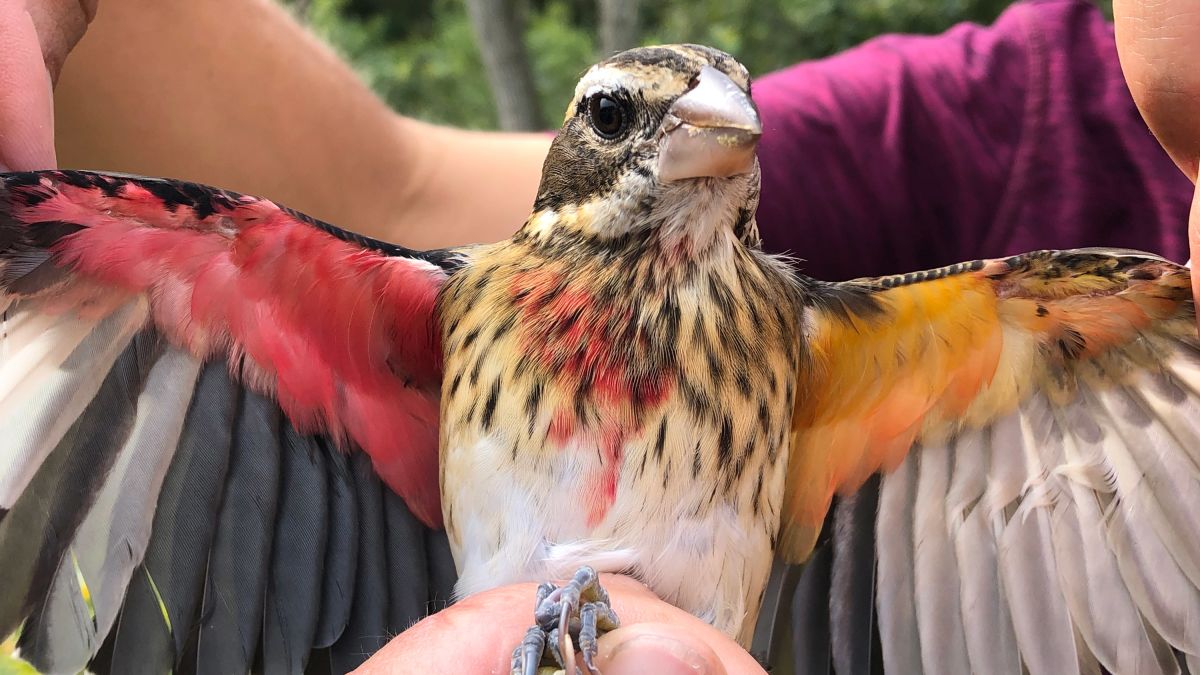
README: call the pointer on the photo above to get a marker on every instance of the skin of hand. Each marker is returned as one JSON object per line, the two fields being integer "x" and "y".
{"x": 477, "y": 635}
{"x": 1158, "y": 42}
{"x": 35, "y": 37}
{"x": 175, "y": 88}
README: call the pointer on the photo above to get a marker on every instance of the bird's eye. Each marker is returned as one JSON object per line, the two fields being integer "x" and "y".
{"x": 607, "y": 116}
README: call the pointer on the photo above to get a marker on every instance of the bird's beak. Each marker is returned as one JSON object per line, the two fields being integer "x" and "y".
{"x": 710, "y": 131}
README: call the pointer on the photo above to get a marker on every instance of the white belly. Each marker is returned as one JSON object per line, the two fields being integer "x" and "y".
{"x": 523, "y": 523}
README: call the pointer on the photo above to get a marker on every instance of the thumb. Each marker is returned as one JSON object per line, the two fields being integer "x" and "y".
{"x": 26, "y": 108}
{"x": 1194, "y": 244}
{"x": 1160, "y": 55}
{"x": 656, "y": 648}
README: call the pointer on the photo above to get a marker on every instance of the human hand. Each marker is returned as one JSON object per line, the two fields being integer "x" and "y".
{"x": 1159, "y": 45}
{"x": 477, "y": 635}
{"x": 35, "y": 37}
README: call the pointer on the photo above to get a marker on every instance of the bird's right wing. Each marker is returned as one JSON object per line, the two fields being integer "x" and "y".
{"x": 186, "y": 378}
{"x": 1036, "y": 420}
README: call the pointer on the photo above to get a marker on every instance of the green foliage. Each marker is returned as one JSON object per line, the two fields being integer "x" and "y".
{"x": 420, "y": 55}
{"x": 560, "y": 50}
{"x": 767, "y": 36}
{"x": 432, "y": 73}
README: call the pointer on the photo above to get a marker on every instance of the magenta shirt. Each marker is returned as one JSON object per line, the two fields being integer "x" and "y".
{"x": 913, "y": 152}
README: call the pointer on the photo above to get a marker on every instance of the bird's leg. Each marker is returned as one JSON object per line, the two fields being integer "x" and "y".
{"x": 578, "y": 611}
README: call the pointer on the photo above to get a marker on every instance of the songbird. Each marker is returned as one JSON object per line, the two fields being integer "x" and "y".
{"x": 198, "y": 389}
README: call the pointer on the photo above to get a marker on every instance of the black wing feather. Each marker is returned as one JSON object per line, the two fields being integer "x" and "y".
{"x": 852, "y": 584}
{"x": 832, "y": 609}
{"x": 232, "y": 613}
{"x": 408, "y": 574}
{"x": 341, "y": 551}
{"x": 367, "y": 630}
{"x": 442, "y": 575}
{"x": 810, "y": 616}
{"x": 298, "y": 556}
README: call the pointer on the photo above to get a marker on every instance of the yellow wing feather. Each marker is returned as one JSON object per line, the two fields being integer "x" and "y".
{"x": 956, "y": 348}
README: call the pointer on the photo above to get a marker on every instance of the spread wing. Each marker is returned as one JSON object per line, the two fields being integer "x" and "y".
{"x": 187, "y": 377}
{"x": 1037, "y": 423}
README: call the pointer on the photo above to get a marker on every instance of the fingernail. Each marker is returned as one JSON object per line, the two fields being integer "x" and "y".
{"x": 657, "y": 654}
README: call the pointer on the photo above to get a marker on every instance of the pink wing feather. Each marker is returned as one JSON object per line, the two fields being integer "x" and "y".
{"x": 339, "y": 328}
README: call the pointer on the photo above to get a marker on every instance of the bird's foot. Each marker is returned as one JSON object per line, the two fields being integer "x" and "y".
{"x": 578, "y": 612}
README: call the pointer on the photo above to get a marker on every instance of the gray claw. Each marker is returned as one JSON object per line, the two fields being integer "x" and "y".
{"x": 554, "y": 650}
{"x": 564, "y": 631}
{"x": 528, "y": 655}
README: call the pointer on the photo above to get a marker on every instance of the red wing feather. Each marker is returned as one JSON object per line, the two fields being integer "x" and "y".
{"x": 339, "y": 328}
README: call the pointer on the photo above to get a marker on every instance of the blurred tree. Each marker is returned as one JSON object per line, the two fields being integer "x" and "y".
{"x": 500, "y": 36}
{"x": 619, "y": 27}
{"x": 423, "y": 58}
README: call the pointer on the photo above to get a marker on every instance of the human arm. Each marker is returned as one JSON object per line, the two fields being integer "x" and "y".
{"x": 306, "y": 132}
{"x": 236, "y": 93}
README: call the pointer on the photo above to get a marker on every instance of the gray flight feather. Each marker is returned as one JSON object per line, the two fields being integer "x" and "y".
{"x": 408, "y": 571}
{"x": 852, "y": 586}
{"x": 298, "y": 556}
{"x": 232, "y": 610}
{"x": 341, "y": 549}
{"x": 367, "y": 630}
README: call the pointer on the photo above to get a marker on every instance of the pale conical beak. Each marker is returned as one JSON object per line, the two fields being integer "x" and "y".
{"x": 711, "y": 131}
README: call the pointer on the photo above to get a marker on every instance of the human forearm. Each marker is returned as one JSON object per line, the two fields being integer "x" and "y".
{"x": 236, "y": 93}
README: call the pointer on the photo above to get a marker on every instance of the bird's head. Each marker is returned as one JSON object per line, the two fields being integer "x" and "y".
{"x": 655, "y": 138}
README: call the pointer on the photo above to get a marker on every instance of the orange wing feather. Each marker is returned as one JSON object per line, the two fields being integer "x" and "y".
{"x": 953, "y": 348}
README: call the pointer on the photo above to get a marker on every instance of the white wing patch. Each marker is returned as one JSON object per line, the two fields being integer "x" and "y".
{"x": 112, "y": 539}
{"x": 1059, "y": 539}
{"x": 50, "y": 368}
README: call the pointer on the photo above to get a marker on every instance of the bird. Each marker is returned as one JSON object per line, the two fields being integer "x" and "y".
{"x": 226, "y": 423}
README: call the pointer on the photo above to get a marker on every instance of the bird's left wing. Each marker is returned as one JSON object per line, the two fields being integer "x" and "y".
{"x": 1037, "y": 423}
{"x": 204, "y": 400}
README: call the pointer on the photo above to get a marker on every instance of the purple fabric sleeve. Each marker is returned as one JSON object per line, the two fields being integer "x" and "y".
{"x": 912, "y": 152}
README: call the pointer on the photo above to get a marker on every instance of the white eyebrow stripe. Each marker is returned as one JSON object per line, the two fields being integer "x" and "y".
{"x": 603, "y": 79}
